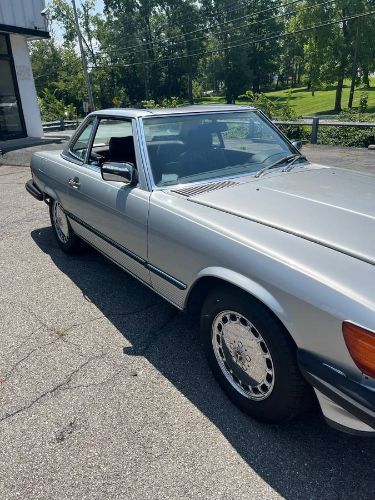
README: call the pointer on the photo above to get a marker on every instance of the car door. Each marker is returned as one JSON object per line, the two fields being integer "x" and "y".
{"x": 112, "y": 216}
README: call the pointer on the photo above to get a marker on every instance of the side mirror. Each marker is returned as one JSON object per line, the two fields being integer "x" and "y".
{"x": 119, "y": 172}
{"x": 297, "y": 144}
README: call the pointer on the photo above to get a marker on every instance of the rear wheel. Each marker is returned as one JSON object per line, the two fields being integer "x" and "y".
{"x": 66, "y": 238}
{"x": 252, "y": 356}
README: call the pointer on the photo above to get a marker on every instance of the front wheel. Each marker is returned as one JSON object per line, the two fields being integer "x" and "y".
{"x": 66, "y": 238}
{"x": 252, "y": 356}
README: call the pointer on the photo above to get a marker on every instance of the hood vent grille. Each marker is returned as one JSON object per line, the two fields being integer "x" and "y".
{"x": 204, "y": 188}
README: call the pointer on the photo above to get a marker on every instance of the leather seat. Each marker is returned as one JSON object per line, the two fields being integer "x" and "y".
{"x": 201, "y": 155}
{"x": 166, "y": 158}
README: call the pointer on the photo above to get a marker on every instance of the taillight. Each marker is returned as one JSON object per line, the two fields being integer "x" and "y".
{"x": 361, "y": 345}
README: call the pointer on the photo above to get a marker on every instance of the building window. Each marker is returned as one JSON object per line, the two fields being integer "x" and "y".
{"x": 11, "y": 119}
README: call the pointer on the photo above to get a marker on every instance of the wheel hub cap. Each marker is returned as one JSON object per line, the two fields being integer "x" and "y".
{"x": 61, "y": 222}
{"x": 243, "y": 355}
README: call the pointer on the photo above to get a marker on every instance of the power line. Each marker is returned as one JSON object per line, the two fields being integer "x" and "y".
{"x": 208, "y": 27}
{"x": 249, "y": 42}
{"x": 209, "y": 15}
{"x": 235, "y": 28}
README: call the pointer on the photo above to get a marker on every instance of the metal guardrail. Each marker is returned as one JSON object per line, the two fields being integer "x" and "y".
{"x": 59, "y": 125}
{"x": 316, "y": 122}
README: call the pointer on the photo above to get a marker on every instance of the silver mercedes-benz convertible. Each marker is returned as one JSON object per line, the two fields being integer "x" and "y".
{"x": 218, "y": 212}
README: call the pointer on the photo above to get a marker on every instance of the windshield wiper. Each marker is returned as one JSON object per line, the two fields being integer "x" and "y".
{"x": 287, "y": 159}
{"x": 291, "y": 164}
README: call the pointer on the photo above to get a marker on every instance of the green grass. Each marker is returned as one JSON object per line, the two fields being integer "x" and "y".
{"x": 323, "y": 101}
{"x": 210, "y": 100}
{"x": 303, "y": 103}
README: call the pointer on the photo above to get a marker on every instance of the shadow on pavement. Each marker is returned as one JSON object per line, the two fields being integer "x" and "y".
{"x": 303, "y": 459}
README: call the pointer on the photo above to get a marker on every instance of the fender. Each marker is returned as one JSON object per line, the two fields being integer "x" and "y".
{"x": 246, "y": 284}
{"x": 51, "y": 193}
{"x": 37, "y": 163}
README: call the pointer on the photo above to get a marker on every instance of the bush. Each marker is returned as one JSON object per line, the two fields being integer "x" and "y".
{"x": 362, "y": 108}
{"x": 277, "y": 112}
{"x": 172, "y": 102}
{"x": 52, "y": 109}
{"x": 349, "y": 136}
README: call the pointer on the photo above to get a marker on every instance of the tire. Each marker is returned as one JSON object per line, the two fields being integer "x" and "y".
{"x": 67, "y": 240}
{"x": 252, "y": 356}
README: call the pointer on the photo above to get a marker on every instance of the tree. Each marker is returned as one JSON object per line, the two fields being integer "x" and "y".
{"x": 239, "y": 32}
{"x": 58, "y": 70}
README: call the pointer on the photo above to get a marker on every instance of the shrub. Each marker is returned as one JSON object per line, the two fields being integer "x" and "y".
{"x": 171, "y": 102}
{"x": 277, "y": 112}
{"x": 52, "y": 109}
{"x": 349, "y": 136}
{"x": 362, "y": 108}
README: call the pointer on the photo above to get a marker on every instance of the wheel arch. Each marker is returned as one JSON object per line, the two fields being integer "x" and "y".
{"x": 213, "y": 277}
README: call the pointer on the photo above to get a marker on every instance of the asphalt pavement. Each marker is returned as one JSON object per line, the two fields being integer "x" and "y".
{"x": 105, "y": 392}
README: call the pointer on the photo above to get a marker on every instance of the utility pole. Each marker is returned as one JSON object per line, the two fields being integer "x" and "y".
{"x": 83, "y": 57}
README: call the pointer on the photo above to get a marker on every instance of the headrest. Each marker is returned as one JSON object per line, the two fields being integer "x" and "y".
{"x": 122, "y": 149}
{"x": 199, "y": 137}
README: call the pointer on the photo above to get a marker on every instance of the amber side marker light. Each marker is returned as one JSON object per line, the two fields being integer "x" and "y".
{"x": 361, "y": 345}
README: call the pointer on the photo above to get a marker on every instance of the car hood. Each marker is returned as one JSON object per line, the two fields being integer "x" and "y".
{"x": 329, "y": 206}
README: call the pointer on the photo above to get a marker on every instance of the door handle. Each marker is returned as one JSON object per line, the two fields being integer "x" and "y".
{"x": 74, "y": 182}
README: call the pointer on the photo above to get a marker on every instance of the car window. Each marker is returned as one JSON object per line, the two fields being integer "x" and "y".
{"x": 79, "y": 147}
{"x": 113, "y": 141}
{"x": 204, "y": 146}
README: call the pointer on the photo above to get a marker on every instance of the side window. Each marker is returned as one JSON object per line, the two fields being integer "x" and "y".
{"x": 113, "y": 142}
{"x": 79, "y": 147}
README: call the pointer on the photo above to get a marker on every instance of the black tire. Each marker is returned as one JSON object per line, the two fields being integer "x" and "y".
{"x": 290, "y": 394}
{"x": 69, "y": 243}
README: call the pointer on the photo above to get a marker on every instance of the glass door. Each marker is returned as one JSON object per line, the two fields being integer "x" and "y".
{"x": 12, "y": 125}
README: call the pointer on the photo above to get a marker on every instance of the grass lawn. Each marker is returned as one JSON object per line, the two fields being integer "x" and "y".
{"x": 304, "y": 103}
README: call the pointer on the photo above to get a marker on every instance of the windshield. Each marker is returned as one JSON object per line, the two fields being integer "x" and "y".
{"x": 204, "y": 146}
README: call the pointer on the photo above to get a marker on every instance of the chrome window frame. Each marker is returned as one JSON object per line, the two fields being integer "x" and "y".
{"x": 67, "y": 153}
{"x": 143, "y": 178}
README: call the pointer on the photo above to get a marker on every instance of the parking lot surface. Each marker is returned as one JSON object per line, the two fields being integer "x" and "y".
{"x": 105, "y": 393}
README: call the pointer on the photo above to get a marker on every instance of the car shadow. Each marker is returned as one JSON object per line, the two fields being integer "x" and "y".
{"x": 301, "y": 459}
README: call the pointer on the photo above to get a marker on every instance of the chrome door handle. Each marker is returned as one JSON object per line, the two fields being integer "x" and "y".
{"x": 74, "y": 182}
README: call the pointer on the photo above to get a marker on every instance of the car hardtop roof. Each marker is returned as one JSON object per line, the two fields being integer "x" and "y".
{"x": 198, "y": 108}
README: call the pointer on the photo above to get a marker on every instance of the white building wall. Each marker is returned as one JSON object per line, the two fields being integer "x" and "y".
{"x": 26, "y": 85}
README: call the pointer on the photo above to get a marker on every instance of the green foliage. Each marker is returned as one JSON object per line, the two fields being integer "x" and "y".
{"x": 52, "y": 108}
{"x": 349, "y": 136}
{"x": 147, "y": 52}
{"x": 173, "y": 102}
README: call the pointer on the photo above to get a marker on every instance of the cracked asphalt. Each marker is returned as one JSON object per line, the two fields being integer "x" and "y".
{"x": 105, "y": 393}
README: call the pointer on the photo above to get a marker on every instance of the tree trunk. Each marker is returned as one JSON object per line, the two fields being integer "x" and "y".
{"x": 366, "y": 79}
{"x": 190, "y": 83}
{"x": 295, "y": 70}
{"x": 341, "y": 74}
{"x": 352, "y": 87}
{"x": 354, "y": 69}
{"x": 340, "y": 83}
{"x": 145, "y": 73}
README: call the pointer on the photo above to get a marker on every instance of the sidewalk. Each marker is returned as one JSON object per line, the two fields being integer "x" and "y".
{"x": 18, "y": 152}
